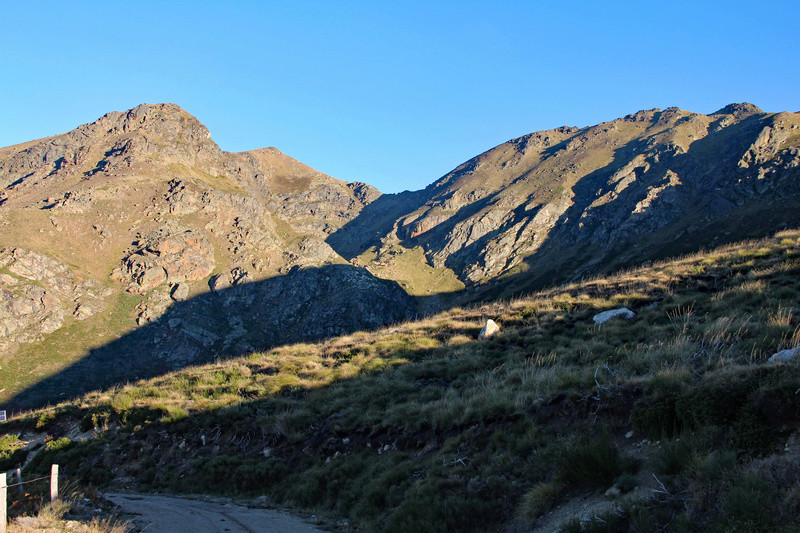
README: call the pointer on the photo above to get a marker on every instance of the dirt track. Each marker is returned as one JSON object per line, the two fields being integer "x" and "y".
{"x": 172, "y": 514}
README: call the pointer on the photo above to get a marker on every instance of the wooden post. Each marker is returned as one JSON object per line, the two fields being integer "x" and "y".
{"x": 53, "y": 483}
{"x": 3, "y": 503}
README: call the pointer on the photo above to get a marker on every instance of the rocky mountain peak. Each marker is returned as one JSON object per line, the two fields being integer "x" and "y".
{"x": 161, "y": 120}
{"x": 147, "y": 135}
{"x": 739, "y": 109}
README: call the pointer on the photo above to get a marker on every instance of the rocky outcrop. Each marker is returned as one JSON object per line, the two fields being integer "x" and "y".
{"x": 161, "y": 132}
{"x": 38, "y": 295}
{"x": 167, "y": 255}
{"x": 305, "y": 304}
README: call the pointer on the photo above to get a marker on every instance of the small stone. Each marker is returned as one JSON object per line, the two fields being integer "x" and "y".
{"x": 605, "y": 316}
{"x": 629, "y": 434}
{"x": 346, "y": 440}
{"x": 82, "y": 311}
{"x": 174, "y": 323}
{"x": 613, "y": 492}
{"x": 785, "y": 355}
{"x": 489, "y": 329}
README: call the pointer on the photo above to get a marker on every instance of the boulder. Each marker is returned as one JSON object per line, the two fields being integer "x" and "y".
{"x": 167, "y": 255}
{"x": 151, "y": 278}
{"x": 219, "y": 282}
{"x": 82, "y": 312}
{"x": 605, "y": 316}
{"x": 489, "y": 329}
{"x": 785, "y": 355}
{"x": 180, "y": 292}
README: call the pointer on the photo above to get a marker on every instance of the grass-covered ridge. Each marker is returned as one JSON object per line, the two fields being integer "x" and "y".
{"x": 422, "y": 427}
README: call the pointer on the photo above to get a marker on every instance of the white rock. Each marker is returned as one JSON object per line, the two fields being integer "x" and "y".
{"x": 785, "y": 355}
{"x": 491, "y": 328}
{"x": 605, "y": 316}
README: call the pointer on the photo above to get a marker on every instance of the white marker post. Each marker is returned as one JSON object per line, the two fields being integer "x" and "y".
{"x": 53, "y": 483}
{"x": 3, "y": 503}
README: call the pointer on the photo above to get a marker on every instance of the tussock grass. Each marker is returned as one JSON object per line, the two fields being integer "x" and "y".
{"x": 422, "y": 423}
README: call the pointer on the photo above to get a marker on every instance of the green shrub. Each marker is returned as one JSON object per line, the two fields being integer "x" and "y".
{"x": 593, "y": 462}
{"x": 657, "y": 419}
{"x": 12, "y": 455}
{"x": 626, "y": 482}
{"x": 258, "y": 477}
{"x": 540, "y": 499}
{"x": 44, "y": 419}
{"x": 673, "y": 457}
{"x": 442, "y": 505}
{"x": 751, "y": 504}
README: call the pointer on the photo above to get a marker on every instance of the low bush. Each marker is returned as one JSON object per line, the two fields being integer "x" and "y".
{"x": 12, "y": 454}
{"x": 593, "y": 462}
{"x": 538, "y": 500}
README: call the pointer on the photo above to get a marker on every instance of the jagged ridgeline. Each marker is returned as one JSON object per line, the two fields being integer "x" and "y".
{"x": 134, "y": 245}
{"x": 559, "y": 204}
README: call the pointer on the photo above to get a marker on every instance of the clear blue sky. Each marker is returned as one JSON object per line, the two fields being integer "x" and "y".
{"x": 391, "y": 93}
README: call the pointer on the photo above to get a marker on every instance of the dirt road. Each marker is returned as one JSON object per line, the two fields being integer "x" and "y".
{"x": 157, "y": 513}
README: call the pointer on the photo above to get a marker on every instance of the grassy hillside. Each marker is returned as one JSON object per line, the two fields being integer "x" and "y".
{"x": 422, "y": 427}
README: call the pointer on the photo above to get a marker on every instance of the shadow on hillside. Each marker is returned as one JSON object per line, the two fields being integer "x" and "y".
{"x": 316, "y": 303}
{"x": 375, "y": 221}
{"x": 302, "y": 305}
{"x": 615, "y": 221}
{"x": 712, "y": 208}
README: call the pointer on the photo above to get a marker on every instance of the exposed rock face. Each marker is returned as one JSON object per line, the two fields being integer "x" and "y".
{"x": 305, "y": 304}
{"x": 570, "y": 201}
{"x": 163, "y": 132}
{"x": 37, "y": 294}
{"x": 209, "y": 252}
{"x": 140, "y": 211}
{"x": 166, "y": 256}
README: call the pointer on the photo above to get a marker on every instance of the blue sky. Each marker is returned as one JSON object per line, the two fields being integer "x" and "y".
{"x": 395, "y": 94}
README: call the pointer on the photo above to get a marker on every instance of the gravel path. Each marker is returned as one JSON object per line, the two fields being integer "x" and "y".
{"x": 157, "y": 513}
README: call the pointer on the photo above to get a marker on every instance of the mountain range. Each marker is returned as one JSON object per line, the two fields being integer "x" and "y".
{"x": 134, "y": 245}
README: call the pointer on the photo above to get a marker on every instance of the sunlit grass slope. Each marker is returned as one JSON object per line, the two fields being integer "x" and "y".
{"x": 423, "y": 427}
